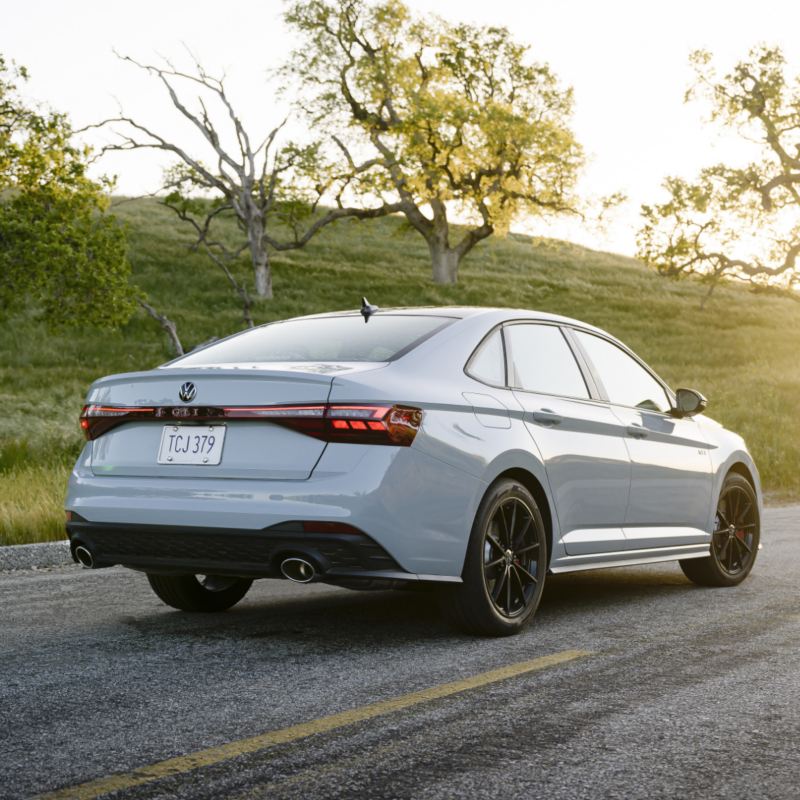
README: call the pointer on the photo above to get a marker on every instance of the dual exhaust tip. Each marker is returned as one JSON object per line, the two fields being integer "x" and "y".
{"x": 298, "y": 570}
{"x": 295, "y": 569}
{"x": 84, "y": 556}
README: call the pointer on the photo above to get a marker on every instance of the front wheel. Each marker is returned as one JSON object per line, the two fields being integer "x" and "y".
{"x": 199, "y": 592}
{"x": 734, "y": 542}
{"x": 505, "y": 565}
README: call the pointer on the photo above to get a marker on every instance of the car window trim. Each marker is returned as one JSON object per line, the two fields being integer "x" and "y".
{"x": 486, "y": 337}
{"x": 601, "y": 386}
{"x": 594, "y": 384}
{"x": 596, "y": 390}
{"x": 588, "y": 383}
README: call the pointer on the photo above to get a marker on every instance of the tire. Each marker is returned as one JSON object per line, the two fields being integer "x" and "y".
{"x": 199, "y": 592}
{"x": 735, "y": 539}
{"x": 505, "y": 565}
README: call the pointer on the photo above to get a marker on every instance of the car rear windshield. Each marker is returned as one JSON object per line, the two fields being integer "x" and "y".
{"x": 346, "y": 338}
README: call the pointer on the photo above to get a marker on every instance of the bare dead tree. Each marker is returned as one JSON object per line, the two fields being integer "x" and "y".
{"x": 222, "y": 255}
{"x": 167, "y": 324}
{"x": 264, "y": 187}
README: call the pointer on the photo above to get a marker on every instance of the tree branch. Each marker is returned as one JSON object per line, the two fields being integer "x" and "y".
{"x": 167, "y": 324}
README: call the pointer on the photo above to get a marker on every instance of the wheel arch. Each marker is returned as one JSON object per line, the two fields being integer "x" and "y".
{"x": 740, "y": 468}
{"x": 737, "y": 463}
{"x": 532, "y": 484}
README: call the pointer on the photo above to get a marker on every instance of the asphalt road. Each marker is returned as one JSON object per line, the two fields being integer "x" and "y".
{"x": 686, "y": 692}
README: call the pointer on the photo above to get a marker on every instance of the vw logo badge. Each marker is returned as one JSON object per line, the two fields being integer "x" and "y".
{"x": 187, "y": 392}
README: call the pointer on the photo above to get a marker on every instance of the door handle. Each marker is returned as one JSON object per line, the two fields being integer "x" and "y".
{"x": 637, "y": 431}
{"x": 547, "y": 417}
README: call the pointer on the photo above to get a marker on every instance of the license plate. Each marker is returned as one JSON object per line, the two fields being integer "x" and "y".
{"x": 191, "y": 444}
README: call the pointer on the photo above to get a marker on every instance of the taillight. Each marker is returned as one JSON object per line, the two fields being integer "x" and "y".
{"x": 361, "y": 424}
{"x": 397, "y": 425}
{"x": 306, "y": 419}
{"x": 97, "y": 419}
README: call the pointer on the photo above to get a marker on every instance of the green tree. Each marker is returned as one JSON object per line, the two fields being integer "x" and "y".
{"x": 59, "y": 251}
{"x": 437, "y": 119}
{"x": 737, "y": 221}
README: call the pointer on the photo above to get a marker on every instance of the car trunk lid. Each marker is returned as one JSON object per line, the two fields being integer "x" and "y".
{"x": 251, "y": 448}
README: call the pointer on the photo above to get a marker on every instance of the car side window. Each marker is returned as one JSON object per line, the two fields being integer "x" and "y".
{"x": 542, "y": 361}
{"x": 626, "y": 381}
{"x": 488, "y": 364}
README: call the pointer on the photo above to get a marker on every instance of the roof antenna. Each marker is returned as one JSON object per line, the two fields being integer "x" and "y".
{"x": 367, "y": 309}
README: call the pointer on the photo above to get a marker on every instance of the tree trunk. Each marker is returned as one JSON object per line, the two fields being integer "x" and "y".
{"x": 263, "y": 274}
{"x": 444, "y": 261}
{"x": 247, "y": 305}
{"x": 259, "y": 256}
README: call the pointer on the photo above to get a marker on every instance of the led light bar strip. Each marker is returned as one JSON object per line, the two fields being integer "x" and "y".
{"x": 362, "y": 424}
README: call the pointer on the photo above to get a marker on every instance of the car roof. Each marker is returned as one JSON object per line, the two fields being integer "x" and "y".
{"x": 463, "y": 312}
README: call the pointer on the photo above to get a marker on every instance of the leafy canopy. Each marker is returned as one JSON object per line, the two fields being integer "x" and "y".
{"x": 738, "y": 221}
{"x": 440, "y": 115}
{"x": 59, "y": 251}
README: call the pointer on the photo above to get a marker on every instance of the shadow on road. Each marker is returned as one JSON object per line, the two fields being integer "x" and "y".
{"x": 373, "y": 619}
{"x": 581, "y": 592}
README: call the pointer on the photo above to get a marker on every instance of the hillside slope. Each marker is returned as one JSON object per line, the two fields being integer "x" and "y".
{"x": 741, "y": 350}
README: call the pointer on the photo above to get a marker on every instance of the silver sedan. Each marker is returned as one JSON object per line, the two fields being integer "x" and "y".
{"x": 470, "y": 450}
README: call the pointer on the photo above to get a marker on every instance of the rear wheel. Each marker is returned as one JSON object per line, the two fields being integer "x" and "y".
{"x": 734, "y": 542}
{"x": 199, "y": 592}
{"x": 505, "y": 565}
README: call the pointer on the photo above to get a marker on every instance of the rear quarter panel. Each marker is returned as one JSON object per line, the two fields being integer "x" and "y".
{"x": 468, "y": 427}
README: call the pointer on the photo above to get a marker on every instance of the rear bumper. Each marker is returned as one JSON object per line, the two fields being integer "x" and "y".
{"x": 339, "y": 556}
{"x": 416, "y": 510}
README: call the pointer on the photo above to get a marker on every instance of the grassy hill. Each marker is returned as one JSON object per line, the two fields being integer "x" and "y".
{"x": 741, "y": 350}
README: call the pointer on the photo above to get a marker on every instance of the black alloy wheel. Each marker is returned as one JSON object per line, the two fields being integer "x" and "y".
{"x": 735, "y": 531}
{"x": 511, "y": 553}
{"x": 505, "y": 564}
{"x": 734, "y": 540}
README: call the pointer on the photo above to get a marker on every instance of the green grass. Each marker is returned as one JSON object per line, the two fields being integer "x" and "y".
{"x": 32, "y": 502}
{"x": 741, "y": 350}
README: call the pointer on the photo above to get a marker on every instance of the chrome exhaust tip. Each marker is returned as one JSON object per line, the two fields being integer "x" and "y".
{"x": 298, "y": 570}
{"x": 84, "y": 556}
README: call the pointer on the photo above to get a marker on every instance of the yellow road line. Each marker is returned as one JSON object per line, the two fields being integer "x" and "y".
{"x": 215, "y": 755}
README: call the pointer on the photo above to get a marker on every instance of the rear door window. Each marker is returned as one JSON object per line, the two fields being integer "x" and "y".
{"x": 542, "y": 361}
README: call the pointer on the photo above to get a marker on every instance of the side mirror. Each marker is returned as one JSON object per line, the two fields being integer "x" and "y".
{"x": 688, "y": 402}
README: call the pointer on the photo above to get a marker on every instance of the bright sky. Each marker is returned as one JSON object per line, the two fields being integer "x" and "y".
{"x": 626, "y": 59}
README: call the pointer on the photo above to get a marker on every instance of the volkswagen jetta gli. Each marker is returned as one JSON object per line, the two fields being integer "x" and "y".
{"x": 475, "y": 450}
